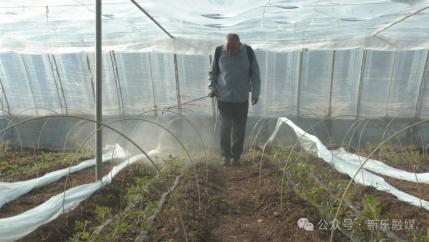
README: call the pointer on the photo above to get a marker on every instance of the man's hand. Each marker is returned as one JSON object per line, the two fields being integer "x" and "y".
{"x": 254, "y": 100}
{"x": 211, "y": 94}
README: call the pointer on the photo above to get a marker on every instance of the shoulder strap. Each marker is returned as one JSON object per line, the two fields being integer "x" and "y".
{"x": 217, "y": 55}
{"x": 250, "y": 53}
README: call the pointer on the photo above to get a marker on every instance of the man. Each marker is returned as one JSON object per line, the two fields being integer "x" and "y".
{"x": 234, "y": 72}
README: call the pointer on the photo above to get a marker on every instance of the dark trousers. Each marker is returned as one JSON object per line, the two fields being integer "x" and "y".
{"x": 233, "y": 119}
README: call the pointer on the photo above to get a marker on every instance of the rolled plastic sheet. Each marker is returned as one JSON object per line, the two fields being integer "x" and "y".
{"x": 16, "y": 227}
{"x": 10, "y": 191}
{"x": 381, "y": 168}
{"x": 347, "y": 163}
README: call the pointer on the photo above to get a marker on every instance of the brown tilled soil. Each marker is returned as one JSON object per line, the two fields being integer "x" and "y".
{"x": 40, "y": 195}
{"x": 391, "y": 208}
{"x": 62, "y": 227}
{"x": 27, "y": 161}
{"x": 236, "y": 204}
{"x": 420, "y": 190}
{"x": 216, "y": 203}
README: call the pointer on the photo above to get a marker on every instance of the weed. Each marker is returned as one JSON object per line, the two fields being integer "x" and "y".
{"x": 4, "y": 148}
{"x": 82, "y": 232}
{"x": 371, "y": 208}
{"x": 102, "y": 213}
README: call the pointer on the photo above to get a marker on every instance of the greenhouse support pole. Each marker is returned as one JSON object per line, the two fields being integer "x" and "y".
{"x": 3, "y": 109}
{"x": 117, "y": 83}
{"x": 298, "y": 91}
{"x": 362, "y": 74}
{"x": 90, "y": 77}
{"x": 400, "y": 20}
{"x": 61, "y": 84}
{"x": 98, "y": 92}
{"x": 176, "y": 74}
{"x": 389, "y": 87}
{"x": 360, "y": 87}
{"x": 153, "y": 87}
{"x": 267, "y": 67}
{"x": 29, "y": 84}
{"x": 60, "y": 101}
{"x": 151, "y": 18}
{"x": 425, "y": 76}
{"x": 5, "y": 97}
{"x": 175, "y": 57}
{"x": 413, "y": 132}
{"x": 331, "y": 85}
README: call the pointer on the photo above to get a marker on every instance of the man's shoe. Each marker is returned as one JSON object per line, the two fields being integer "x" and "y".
{"x": 226, "y": 161}
{"x": 236, "y": 162}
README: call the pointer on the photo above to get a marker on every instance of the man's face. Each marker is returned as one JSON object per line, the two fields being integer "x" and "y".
{"x": 232, "y": 46}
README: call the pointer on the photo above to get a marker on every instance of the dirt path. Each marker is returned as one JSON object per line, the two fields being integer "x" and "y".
{"x": 237, "y": 205}
{"x": 239, "y": 221}
{"x": 253, "y": 211}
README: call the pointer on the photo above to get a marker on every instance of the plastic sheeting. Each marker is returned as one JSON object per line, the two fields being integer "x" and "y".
{"x": 10, "y": 191}
{"x": 381, "y": 168}
{"x": 349, "y": 164}
{"x": 69, "y": 25}
{"x": 315, "y": 82}
{"x": 30, "y": 220}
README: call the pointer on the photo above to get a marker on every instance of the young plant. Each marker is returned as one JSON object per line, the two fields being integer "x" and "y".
{"x": 81, "y": 231}
{"x": 102, "y": 213}
{"x": 4, "y": 148}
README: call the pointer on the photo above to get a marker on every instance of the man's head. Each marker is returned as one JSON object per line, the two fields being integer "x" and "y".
{"x": 232, "y": 43}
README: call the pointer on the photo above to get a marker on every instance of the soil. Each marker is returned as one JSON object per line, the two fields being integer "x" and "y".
{"x": 40, "y": 195}
{"x": 237, "y": 204}
{"x": 391, "y": 207}
{"x": 62, "y": 227}
{"x": 420, "y": 190}
{"x": 217, "y": 203}
{"x": 28, "y": 160}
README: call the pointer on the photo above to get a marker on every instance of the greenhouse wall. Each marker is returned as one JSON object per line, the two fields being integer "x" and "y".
{"x": 320, "y": 82}
{"x": 305, "y": 85}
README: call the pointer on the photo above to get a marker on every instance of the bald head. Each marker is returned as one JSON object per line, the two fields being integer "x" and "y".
{"x": 232, "y": 43}
{"x": 232, "y": 37}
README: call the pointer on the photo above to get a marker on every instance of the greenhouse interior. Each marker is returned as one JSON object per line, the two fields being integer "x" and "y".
{"x": 111, "y": 128}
